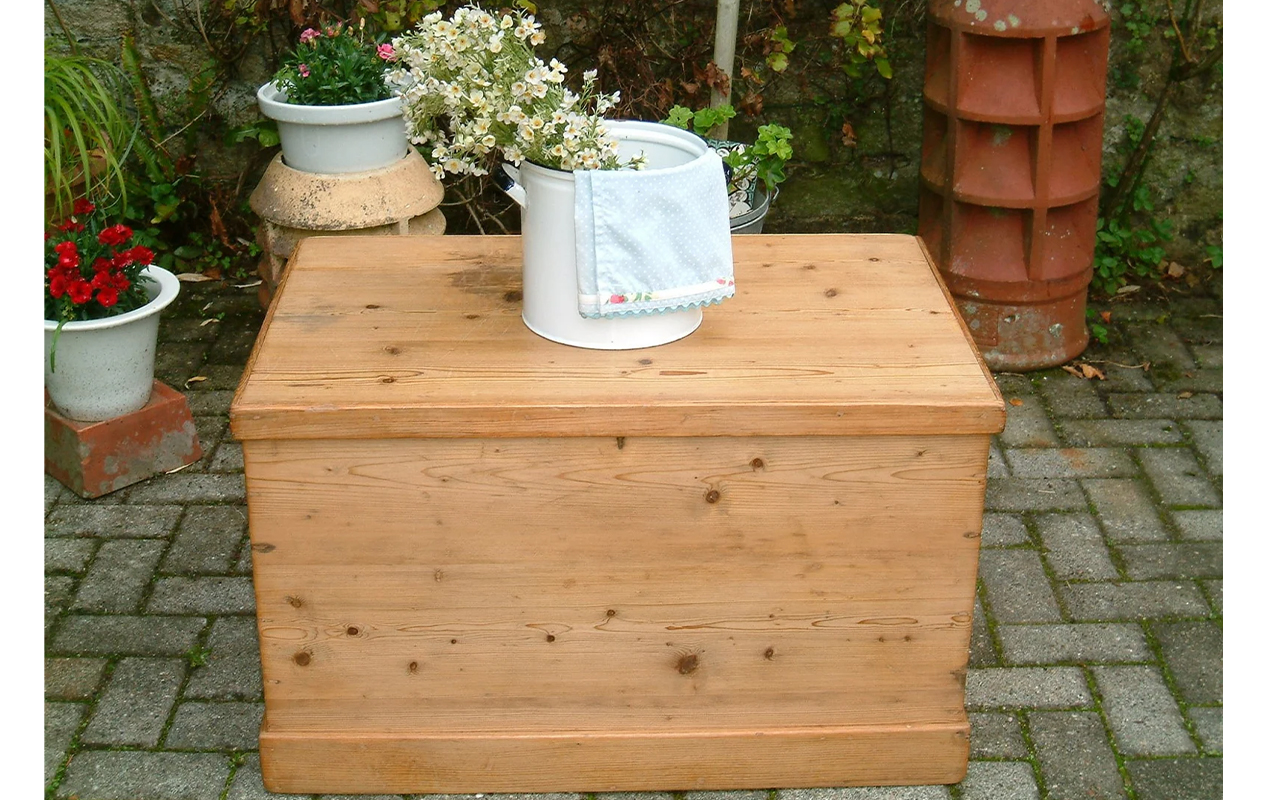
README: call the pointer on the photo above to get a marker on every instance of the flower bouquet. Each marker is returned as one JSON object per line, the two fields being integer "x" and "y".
{"x": 92, "y": 269}
{"x": 335, "y": 66}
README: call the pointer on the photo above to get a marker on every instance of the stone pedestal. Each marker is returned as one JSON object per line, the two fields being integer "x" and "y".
{"x": 400, "y": 200}
{"x": 96, "y": 458}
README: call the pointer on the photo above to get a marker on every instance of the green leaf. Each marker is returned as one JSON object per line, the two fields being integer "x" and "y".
{"x": 884, "y": 67}
{"x": 779, "y": 62}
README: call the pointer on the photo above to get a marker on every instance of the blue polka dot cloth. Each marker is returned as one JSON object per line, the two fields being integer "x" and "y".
{"x": 652, "y": 241}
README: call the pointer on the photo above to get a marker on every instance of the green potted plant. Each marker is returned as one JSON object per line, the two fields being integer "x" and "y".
{"x": 335, "y": 113}
{"x": 756, "y": 169}
{"x": 102, "y": 298}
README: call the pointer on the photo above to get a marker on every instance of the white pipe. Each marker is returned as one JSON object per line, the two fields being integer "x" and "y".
{"x": 724, "y": 55}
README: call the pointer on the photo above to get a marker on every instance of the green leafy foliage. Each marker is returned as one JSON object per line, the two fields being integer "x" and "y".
{"x": 1123, "y": 251}
{"x": 763, "y": 160}
{"x": 858, "y": 23}
{"x": 781, "y": 46}
{"x": 702, "y": 120}
{"x": 334, "y": 66}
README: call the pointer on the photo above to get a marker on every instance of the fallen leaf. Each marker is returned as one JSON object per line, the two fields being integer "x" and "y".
{"x": 1185, "y": 395}
{"x": 1105, "y": 315}
{"x": 1015, "y": 401}
{"x": 251, "y": 285}
{"x": 195, "y": 379}
{"x": 1083, "y": 370}
{"x": 193, "y": 277}
{"x": 207, "y": 321}
{"x": 1130, "y": 289}
{"x": 1175, "y": 270}
{"x": 178, "y": 469}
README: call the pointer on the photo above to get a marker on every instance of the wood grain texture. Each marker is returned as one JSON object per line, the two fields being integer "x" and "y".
{"x": 399, "y": 336}
{"x": 619, "y": 761}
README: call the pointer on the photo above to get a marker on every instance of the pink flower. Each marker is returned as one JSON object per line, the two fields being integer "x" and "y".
{"x": 385, "y": 52}
{"x": 304, "y": 70}
{"x": 618, "y": 298}
{"x": 308, "y": 35}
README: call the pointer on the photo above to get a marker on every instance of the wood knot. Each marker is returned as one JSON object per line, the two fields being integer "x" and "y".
{"x": 756, "y": 463}
{"x": 713, "y": 496}
{"x": 372, "y": 305}
{"x": 352, "y": 630}
{"x": 302, "y": 658}
{"x": 295, "y": 602}
{"x": 687, "y": 664}
{"x": 514, "y": 296}
{"x": 262, "y": 547}
{"x": 610, "y": 613}
{"x": 831, "y": 292}
{"x": 646, "y": 361}
{"x": 392, "y": 350}
{"x": 769, "y": 653}
{"x": 551, "y": 637}
{"x": 454, "y": 641}
{"x": 388, "y": 379}
{"x": 621, "y": 442}
{"x": 874, "y": 258}
{"x": 412, "y": 667}
{"x": 471, "y": 316}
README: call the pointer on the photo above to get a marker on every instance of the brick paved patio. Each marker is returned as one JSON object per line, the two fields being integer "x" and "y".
{"x": 1096, "y": 661}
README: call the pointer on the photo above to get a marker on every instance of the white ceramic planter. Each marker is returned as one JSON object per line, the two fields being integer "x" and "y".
{"x": 105, "y": 367}
{"x": 550, "y": 262}
{"x": 336, "y": 139}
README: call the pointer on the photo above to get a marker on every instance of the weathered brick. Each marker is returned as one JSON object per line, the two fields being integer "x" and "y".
{"x": 1027, "y": 687}
{"x": 61, "y": 720}
{"x": 205, "y": 595}
{"x": 1003, "y": 530}
{"x": 1074, "y": 548}
{"x": 1120, "y": 432}
{"x": 136, "y": 704}
{"x": 996, "y": 735}
{"x": 232, "y": 671}
{"x": 119, "y": 576}
{"x": 202, "y": 725}
{"x": 1183, "y": 405}
{"x": 1142, "y": 713}
{"x": 1132, "y": 600}
{"x": 1193, "y": 657}
{"x": 1070, "y": 462}
{"x": 207, "y": 540}
{"x": 1177, "y": 779}
{"x": 72, "y": 678}
{"x": 1081, "y": 644}
{"x": 68, "y": 555}
{"x": 1206, "y": 437}
{"x": 1026, "y": 425}
{"x": 997, "y": 780}
{"x": 1076, "y": 760}
{"x": 129, "y": 775}
{"x": 1178, "y": 477}
{"x": 1169, "y": 560}
{"x": 126, "y": 635}
{"x": 113, "y": 521}
{"x": 1070, "y": 396}
{"x": 1126, "y": 510}
{"x": 1208, "y": 724}
{"x": 1017, "y": 587}
{"x": 1033, "y": 494}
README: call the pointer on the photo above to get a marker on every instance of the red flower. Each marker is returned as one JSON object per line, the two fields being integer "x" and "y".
{"x": 115, "y": 235}
{"x": 82, "y": 206}
{"x": 67, "y": 255}
{"x": 617, "y": 298}
{"x": 141, "y": 255}
{"x": 70, "y": 225}
{"x": 80, "y": 292}
{"x": 102, "y": 264}
{"x": 107, "y": 297}
{"x": 57, "y": 283}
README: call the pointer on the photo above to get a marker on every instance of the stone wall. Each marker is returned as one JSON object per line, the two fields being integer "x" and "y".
{"x": 834, "y": 185}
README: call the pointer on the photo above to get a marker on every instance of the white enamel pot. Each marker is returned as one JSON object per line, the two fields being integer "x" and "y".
{"x": 336, "y": 139}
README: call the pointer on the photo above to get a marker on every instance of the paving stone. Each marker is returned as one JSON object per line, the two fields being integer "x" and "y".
{"x": 72, "y": 678}
{"x": 232, "y": 671}
{"x": 183, "y": 487}
{"x": 1027, "y": 687}
{"x": 228, "y": 458}
{"x": 854, "y": 793}
{"x": 1208, "y": 724}
{"x": 119, "y": 576}
{"x": 1081, "y": 644}
{"x": 1027, "y": 425}
{"x": 1178, "y": 477}
{"x": 212, "y": 402}
{"x": 126, "y": 635}
{"x": 996, "y": 735}
{"x": 113, "y": 521}
{"x": 211, "y": 431}
{"x": 187, "y": 330}
{"x": 1074, "y": 548}
{"x": 207, "y": 540}
{"x": 1013, "y": 384}
{"x": 1193, "y": 656}
{"x": 58, "y": 591}
{"x": 68, "y": 555}
{"x": 1003, "y": 530}
{"x": 248, "y": 785}
{"x": 1070, "y": 462}
{"x": 738, "y": 795}
{"x": 1076, "y": 759}
{"x": 1033, "y": 494}
{"x": 999, "y": 780}
{"x": 1132, "y": 600}
{"x": 1160, "y": 344}
{"x": 175, "y": 365}
{"x": 1183, "y": 405}
{"x": 1126, "y": 510}
{"x": 1017, "y": 587}
{"x": 1209, "y": 356}
{"x": 222, "y": 376}
{"x": 53, "y": 492}
{"x": 1120, "y": 432}
{"x": 1176, "y": 779}
{"x": 1128, "y": 378}
{"x": 206, "y": 595}
{"x": 243, "y": 565}
{"x": 233, "y": 345}
{"x": 1199, "y": 524}
{"x": 598, "y": 795}
{"x": 1182, "y": 560}
{"x": 1206, "y": 437}
{"x": 997, "y": 468}
{"x": 1213, "y": 588}
{"x": 1197, "y": 380}
{"x": 1071, "y": 397}
{"x": 61, "y": 720}
{"x": 136, "y": 704}
{"x": 1142, "y": 713}
{"x": 131, "y": 775}
{"x": 982, "y": 653}
{"x": 200, "y": 725}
